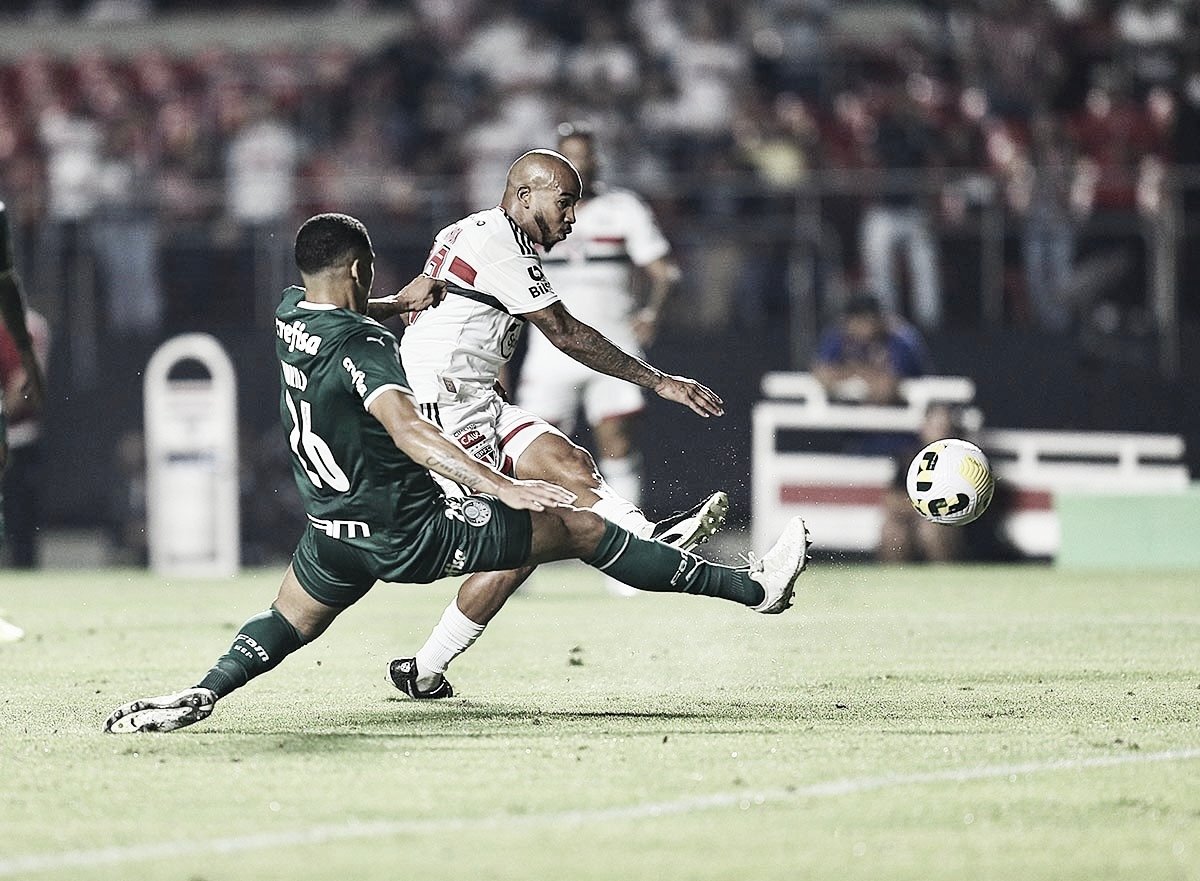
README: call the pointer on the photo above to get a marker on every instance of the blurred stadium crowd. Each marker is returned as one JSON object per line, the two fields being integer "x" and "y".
{"x": 974, "y": 97}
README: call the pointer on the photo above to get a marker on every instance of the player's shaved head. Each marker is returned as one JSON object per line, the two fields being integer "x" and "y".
{"x": 540, "y": 195}
{"x": 541, "y": 170}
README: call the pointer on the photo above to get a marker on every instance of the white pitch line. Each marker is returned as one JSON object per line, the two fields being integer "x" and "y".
{"x": 353, "y": 829}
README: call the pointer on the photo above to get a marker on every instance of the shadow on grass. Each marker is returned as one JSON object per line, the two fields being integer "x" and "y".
{"x": 456, "y": 721}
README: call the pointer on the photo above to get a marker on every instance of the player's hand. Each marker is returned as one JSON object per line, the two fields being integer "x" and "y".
{"x": 701, "y": 399}
{"x": 534, "y": 495}
{"x": 501, "y": 391}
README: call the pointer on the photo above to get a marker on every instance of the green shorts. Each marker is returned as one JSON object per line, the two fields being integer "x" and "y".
{"x": 471, "y": 534}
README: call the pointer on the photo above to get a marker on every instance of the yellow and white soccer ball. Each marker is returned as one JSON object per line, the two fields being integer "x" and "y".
{"x": 950, "y": 481}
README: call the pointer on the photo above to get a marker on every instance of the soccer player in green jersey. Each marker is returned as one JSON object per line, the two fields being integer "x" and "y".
{"x": 361, "y": 456}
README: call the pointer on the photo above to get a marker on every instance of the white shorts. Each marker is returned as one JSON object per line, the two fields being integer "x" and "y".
{"x": 492, "y": 431}
{"x": 555, "y": 386}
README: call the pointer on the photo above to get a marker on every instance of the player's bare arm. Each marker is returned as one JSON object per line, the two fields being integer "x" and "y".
{"x": 588, "y": 346}
{"x": 418, "y": 295}
{"x": 425, "y": 443}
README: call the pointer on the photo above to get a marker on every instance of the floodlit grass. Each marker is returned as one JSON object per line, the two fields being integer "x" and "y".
{"x": 898, "y": 723}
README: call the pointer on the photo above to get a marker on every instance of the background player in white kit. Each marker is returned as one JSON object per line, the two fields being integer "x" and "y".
{"x": 614, "y": 240}
{"x": 453, "y": 355}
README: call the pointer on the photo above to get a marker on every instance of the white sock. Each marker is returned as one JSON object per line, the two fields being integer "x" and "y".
{"x": 625, "y": 514}
{"x": 452, "y": 636}
{"x": 624, "y": 475}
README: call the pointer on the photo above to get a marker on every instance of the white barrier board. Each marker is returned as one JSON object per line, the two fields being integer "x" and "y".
{"x": 191, "y": 461}
{"x": 840, "y": 495}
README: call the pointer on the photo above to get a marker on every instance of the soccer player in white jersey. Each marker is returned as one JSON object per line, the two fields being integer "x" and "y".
{"x": 453, "y": 355}
{"x": 614, "y": 240}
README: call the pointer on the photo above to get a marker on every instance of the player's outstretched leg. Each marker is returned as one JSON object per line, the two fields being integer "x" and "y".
{"x": 551, "y": 456}
{"x": 765, "y": 586}
{"x": 684, "y": 530}
{"x": 260, "y": 645}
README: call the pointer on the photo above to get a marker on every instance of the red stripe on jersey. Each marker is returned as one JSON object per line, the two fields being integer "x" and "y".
{"x": 463, "y": 270}
{"x": 516, "y": 431}
{"x": 608, "y": 240}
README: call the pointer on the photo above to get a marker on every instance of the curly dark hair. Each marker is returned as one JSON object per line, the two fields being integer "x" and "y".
{"x": 328, "y": 240}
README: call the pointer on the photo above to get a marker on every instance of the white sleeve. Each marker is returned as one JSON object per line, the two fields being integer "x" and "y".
{"x": 643, "y": 239}
{"x": 513, "y": 275}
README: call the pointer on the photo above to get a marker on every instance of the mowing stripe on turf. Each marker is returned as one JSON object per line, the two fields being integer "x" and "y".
{"x": 173, "y": 850}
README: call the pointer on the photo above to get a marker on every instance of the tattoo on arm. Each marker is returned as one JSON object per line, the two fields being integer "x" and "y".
{"x": 456, "y": 471}
{"x": 590, "y": 347}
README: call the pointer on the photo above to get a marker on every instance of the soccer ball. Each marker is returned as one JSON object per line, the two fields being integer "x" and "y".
{"x": 950, "y": 482}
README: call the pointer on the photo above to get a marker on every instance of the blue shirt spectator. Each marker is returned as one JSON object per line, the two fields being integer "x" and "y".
{"x": 862, "y": 359}
{"x": 866, "y": 354}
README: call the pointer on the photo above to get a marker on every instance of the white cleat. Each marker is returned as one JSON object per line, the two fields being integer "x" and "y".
{"x": 10, "y": 632}
{"x": 165, "y": 713}
{"x": 779, "y": 568}
{"x": 688, "y": 529}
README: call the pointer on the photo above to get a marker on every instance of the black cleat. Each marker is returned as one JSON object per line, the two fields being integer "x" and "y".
{"x": 403, "y": 674}
{"x": 688, "y": 529}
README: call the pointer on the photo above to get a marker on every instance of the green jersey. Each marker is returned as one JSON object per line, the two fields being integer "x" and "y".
{"x": 356, "y": 485}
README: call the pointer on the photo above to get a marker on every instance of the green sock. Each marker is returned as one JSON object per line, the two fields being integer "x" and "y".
{"x": 264, "y": 641}
{"x": 652, "y": 565}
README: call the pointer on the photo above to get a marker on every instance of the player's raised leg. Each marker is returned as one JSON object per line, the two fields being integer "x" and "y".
{"x": 765, "y": 586}
{"x": 551, "y": 456}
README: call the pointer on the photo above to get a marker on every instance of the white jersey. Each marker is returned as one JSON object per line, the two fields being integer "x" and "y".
{"x": 593, "y": 268}
{"x": 494, "y": 276}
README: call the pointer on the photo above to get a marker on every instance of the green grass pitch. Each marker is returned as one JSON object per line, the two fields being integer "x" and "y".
{"x": 899, "y": 723}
